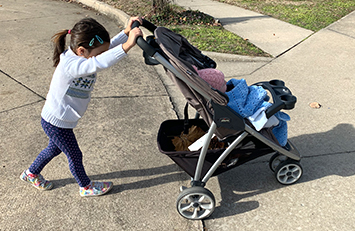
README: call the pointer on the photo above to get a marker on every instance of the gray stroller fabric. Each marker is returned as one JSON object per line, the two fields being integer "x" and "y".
{"x": 182, "y": 55}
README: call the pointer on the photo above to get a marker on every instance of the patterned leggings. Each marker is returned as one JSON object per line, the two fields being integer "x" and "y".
{"x": 61, "y": 140}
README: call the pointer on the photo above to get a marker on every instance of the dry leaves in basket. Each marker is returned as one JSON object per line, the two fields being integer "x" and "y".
{"x": 183, "y": 141}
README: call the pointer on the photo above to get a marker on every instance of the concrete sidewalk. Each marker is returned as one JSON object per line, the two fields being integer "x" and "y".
{"x": 269, "y": 34}
{"x": 320, "y": 69}
{"x": 118, "y": 135}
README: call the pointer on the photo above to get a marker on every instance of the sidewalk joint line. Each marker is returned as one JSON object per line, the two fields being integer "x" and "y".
{"x": 25, "y": 105}
{"x": 295, "y": 45}
{"x": 128, "y": 96}
{"x": 23, "y": 85}
{"x": 259, "y": 68}
{"x": 338, "y": 32}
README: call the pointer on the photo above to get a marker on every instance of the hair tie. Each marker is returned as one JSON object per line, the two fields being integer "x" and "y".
{"x": 69, "y": 31}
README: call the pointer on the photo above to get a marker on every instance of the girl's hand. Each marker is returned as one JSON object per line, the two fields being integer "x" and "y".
{"x": 131, "y": 20}
{"x": 132, "y": 38}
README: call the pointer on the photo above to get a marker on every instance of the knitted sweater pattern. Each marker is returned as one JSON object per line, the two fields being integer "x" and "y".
{"x": 73, "y": 81}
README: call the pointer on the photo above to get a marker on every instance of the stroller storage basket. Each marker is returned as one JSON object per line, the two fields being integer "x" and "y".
{"x": 249, "y": 149}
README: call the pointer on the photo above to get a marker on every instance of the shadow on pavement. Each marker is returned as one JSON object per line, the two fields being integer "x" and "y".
{"x": 250, "y": 179}
{"x": 256, "y": 178}
{"x": 167, "y": 174}
{"x": 227, "y": 21}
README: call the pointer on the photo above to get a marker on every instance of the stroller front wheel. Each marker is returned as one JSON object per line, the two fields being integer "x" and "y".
{"x": 195, "y": 203}
{"x": 288, "y": 172}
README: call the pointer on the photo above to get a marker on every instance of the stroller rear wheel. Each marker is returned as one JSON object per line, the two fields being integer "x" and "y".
{"x": 195, "y": 203}
{"x": 288, "y": 172}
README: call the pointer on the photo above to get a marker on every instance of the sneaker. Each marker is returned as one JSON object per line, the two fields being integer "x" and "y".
{"x": 37, "y": 181}
{"x": 96, "y": 189}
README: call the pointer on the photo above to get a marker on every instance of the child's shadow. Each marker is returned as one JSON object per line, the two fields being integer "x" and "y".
{"x": 166, "y": 174}
{"x": 324, "y": 154}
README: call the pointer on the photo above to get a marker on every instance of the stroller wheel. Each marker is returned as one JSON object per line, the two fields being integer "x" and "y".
{"x": 276, "y": 160}
{"x": 288, "y": 172}
{"x": 195, "y": 203}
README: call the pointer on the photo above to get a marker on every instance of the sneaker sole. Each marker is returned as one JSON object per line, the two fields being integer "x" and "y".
{"x": 108, "y": 190}
{"x": 41, "y": 189}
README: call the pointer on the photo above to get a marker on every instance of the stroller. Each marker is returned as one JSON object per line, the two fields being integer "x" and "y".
{"x": 243, "y": 142}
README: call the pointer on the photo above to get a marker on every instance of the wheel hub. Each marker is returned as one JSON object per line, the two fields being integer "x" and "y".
{"x": 195, "y": 203}
{"x": 289, "y": 172}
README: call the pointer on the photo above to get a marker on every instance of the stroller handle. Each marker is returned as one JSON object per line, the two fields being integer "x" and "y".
{"x": 141, "y": 42}
{"x": 281, "y": 95}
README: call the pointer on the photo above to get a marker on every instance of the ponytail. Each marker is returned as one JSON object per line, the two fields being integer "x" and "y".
{"x": 59, "y": 45}
{"x": 82, "y": 34}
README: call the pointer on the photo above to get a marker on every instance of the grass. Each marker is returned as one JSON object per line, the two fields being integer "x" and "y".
{"x": 217, "y": 39}
{"x": 309, "y": 14}
{"x": 204, "y": 33}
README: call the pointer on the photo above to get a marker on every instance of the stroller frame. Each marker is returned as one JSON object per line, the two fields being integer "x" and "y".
{"x": 197, "y": 202}
{"x": 290, "y": 150}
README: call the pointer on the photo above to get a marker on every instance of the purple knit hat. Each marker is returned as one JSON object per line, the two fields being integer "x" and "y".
{"x": 213, "y": 77}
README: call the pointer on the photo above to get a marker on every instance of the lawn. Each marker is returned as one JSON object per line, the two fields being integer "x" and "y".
{"x": 309, "y": 14}
{"x": 204, "y": 33}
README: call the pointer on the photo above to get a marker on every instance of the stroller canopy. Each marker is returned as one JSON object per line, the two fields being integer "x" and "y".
{"x": 182, "y": 55}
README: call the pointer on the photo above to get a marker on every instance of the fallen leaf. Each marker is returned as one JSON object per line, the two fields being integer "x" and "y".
{"x": 315, "y": 105}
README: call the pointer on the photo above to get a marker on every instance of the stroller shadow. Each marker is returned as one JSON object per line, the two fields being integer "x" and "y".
{"x": 256, "y": 178}
{"x": 253, "y": 178}
{"x": 167, "y": 174}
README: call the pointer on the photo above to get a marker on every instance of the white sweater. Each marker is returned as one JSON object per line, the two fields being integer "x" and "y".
{"x": 73, "y": 80}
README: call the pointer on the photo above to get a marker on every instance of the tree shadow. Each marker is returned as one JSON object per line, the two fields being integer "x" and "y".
{"x": 233, "y": 20}
{"x": 256, "y": 178}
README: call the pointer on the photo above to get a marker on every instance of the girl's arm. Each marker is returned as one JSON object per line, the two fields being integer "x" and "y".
{"x": 77, "y": 66}
{"x": 120, "y": 38}
{"x": 80, "y": 66}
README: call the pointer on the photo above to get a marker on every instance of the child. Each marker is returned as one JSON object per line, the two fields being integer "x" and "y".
{"x": 90, "y": 51}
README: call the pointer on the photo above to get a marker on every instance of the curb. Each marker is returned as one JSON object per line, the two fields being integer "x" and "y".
{"x": 107, "y": 10}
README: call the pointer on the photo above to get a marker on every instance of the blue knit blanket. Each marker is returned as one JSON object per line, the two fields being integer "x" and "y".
{"x": 246, "y": 100}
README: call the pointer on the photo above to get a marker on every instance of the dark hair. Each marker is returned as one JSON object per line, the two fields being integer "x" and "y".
{"x": 87, "y": 33}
